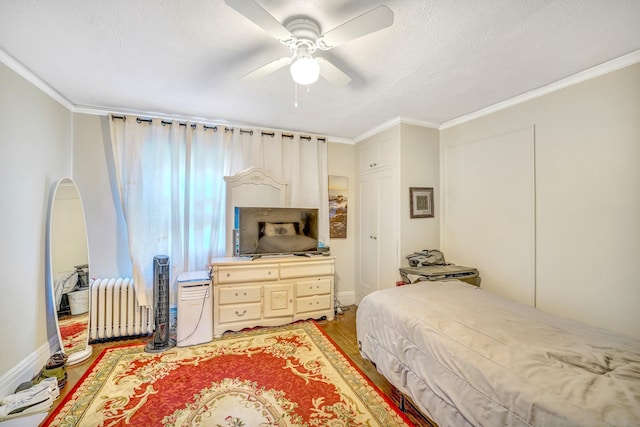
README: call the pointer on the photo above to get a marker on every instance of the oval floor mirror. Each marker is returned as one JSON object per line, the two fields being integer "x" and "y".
{"x": 68, "y": 258}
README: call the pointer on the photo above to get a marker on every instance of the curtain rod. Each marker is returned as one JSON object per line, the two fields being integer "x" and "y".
{"x": 215, "y": 128}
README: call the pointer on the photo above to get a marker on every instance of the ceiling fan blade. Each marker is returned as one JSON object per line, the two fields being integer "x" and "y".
{"x": 267, "y": 69}
{"x": 263, "y": 19}
{"x": 332, "y": 74}
{"x": 367, "y": 23}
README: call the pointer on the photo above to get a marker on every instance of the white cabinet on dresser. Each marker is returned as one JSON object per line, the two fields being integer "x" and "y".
{"x": 277, "y": 300}
{"x": 270, "y": 291}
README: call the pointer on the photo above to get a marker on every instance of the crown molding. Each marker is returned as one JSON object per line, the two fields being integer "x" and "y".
{"x": 377, "y": 129}
{"x": 591, "y": 73}
{"x": 421, "y": 123}
{"x": 100, "y": 111}
{"x": 394, "y": 122}
{"x": 598, "y": 70}
{"x": 29, "y": 76}
{"x": 340, "y": 140}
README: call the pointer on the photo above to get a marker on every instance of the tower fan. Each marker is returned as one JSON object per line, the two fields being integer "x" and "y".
{"x": 160, "y": 340}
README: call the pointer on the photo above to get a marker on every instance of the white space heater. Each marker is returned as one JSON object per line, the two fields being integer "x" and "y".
{"x": 195, "y": 318}
{"x": 160, "y": 340}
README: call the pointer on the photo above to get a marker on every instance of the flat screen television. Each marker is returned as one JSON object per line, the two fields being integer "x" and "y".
{"x": 275, "y": 231}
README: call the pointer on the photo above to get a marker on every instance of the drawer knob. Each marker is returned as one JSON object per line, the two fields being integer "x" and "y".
{"x": 228, "y": 274}
{"x": 241, "y": 314}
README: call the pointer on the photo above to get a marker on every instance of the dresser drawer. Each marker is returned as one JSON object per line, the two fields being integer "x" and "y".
{"x": 239, "y": 294}
{"x": 313, "y": 287}
{"x": 306, "y": 269}
{"x": 314, "y": 303}
{"x": 239, "y": 313}
{"x": 247, "y": 273}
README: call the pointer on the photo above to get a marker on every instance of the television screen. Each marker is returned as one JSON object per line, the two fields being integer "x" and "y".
{"x": 276, "y": 231}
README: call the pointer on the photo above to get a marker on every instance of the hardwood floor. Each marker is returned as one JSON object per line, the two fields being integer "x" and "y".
{"x": 342, "y": 331}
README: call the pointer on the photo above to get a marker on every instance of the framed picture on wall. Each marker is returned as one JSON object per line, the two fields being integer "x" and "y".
{"x": 338, "y": 196}
{"x": 421, "y": 202}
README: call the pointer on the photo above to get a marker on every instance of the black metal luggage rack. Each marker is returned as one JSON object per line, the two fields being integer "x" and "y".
{"x": 441, "y": 272}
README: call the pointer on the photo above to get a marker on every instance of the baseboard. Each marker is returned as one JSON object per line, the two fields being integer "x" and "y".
{"x": 346, "y": 298}
{"x": 28, "y": 368}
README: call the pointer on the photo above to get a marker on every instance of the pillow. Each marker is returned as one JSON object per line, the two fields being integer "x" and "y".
{"x": 279, "y": 229}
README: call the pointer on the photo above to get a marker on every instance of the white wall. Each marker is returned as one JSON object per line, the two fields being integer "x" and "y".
{"x": 488, "y": 188}
{"x": 340, "y": 162}
{"x": 587, "y": 188}
{"x": 35, "y": 151}
{"x": 419, "y": 167}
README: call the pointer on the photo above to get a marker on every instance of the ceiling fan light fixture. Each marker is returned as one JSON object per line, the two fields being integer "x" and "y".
{"x": 305, "y": 70}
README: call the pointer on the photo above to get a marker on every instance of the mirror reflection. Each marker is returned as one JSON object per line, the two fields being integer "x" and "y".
{"x": 69, "y": 258}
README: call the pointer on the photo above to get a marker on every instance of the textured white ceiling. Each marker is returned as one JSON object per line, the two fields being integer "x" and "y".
{"x": 183, "y": 58}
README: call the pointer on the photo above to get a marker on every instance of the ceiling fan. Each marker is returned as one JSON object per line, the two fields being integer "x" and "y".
{"x": 302, "y": 36}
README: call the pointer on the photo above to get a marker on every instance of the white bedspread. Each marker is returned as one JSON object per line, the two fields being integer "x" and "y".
{"x": 467, "y": 357}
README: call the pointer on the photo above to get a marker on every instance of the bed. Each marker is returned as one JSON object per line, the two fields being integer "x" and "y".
{"x": 467, "y": 357}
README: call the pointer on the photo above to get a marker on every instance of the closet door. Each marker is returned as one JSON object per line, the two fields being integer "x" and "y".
{"x": 368, "y": 262}
{"x": 378, "y": 262}
{"x": 388, "y": 228}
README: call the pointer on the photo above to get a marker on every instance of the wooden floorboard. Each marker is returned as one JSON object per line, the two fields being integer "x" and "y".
{"x": 342, "y": 331}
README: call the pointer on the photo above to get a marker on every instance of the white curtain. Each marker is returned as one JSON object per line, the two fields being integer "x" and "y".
{"x": 171, "y": 182}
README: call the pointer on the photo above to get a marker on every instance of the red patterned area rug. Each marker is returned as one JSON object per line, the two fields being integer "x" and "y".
{"x": 286, "y": 376}
{"x": 74, "y": 330}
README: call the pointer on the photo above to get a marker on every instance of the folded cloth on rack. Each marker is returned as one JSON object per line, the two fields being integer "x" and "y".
{"x": 413, "y": 278}
{"x": 426, "y": 257}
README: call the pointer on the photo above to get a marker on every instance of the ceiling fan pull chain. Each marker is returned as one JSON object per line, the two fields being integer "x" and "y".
{"x": 295, "y": 103}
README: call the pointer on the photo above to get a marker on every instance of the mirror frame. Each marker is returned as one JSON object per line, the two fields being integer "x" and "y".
{"x": 78, "y": 356}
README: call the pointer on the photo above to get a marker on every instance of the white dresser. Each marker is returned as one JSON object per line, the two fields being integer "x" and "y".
{"x": 270, "y": 291}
